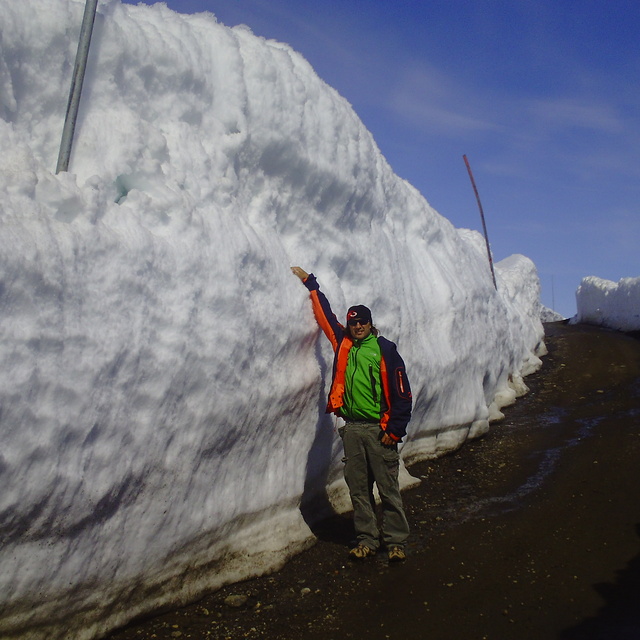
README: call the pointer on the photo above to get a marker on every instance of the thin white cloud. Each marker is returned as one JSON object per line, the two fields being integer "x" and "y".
{"x": 429, "y": 100}
{"x": 439, "y": 119}
{"x": 573, "y": 112}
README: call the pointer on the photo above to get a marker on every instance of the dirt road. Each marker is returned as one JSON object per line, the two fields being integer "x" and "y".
{"x": 531, "y": 533}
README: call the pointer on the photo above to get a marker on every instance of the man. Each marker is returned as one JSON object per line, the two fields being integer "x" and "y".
{"x": 371, "y": 392}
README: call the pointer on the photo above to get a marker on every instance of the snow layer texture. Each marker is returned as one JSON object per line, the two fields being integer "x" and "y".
{"x": 162, "y": 378}
{"x": 615, "y": 305}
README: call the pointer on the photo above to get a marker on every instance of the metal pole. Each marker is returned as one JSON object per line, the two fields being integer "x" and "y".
{"x": 484, "y": 226}
{"x": 76, "y": 85}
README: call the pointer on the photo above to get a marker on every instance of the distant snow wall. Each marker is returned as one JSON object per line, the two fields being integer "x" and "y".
{"x": 162, "y": 377}
{"x": 615, "y": 305}
{"x": 549, "y": 315}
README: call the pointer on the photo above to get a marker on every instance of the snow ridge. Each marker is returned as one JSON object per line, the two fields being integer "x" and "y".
{"x": 162, "y": 378}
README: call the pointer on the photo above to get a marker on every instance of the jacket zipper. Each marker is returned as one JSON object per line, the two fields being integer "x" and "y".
{"x": 373, "y": 384}
{"x": 354, "y": 351}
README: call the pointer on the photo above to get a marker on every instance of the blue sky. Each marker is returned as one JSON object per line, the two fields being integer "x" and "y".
{"x": 543, "y": 97}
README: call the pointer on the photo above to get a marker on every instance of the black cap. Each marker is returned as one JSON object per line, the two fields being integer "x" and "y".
{"x": 359, "y": 312}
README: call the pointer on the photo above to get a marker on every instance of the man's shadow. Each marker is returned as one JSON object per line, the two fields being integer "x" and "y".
{"x": 619, "y": 618}
{"x": 315, "y": 506}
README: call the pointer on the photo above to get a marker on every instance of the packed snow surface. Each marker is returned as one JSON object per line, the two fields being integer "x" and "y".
{"x": 162, "y": 377}
{"x": 615, "y": 305}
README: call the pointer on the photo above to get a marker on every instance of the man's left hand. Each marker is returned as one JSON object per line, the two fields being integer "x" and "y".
{"x": 387, "y": 440}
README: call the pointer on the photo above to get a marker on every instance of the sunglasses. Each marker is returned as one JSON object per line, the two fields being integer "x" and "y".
{"x": 354, "y": 321}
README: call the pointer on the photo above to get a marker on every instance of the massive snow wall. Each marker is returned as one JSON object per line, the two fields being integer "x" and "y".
{"x": 615, "y": 305}
{"x": 162, "y": 379}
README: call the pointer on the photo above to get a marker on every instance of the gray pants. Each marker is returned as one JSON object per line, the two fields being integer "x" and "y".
{"x": 367, "y": 461}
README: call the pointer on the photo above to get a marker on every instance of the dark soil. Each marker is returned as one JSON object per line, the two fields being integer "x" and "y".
{"x": 531, "y": 533}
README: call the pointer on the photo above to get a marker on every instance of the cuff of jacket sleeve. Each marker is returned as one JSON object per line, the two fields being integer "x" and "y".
{"x": 310, "y": 282}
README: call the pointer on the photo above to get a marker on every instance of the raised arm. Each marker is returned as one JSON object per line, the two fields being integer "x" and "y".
{"x": 325, "y": 317}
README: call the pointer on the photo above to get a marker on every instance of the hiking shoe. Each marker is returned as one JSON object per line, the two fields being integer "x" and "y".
{"x": 397, "y": 554}
{"x": 361, "y": 552}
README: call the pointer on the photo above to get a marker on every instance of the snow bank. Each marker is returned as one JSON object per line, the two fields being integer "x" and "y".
{"x": 609, "y": 304}
{"x": 549, "y": 315}
{"x": 162, "y": 378}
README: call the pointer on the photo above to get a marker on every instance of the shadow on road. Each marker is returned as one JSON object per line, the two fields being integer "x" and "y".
{"x": 619, "y": 618}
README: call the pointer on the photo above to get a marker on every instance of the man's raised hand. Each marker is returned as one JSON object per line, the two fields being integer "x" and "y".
{"x": 301, "y": 273}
